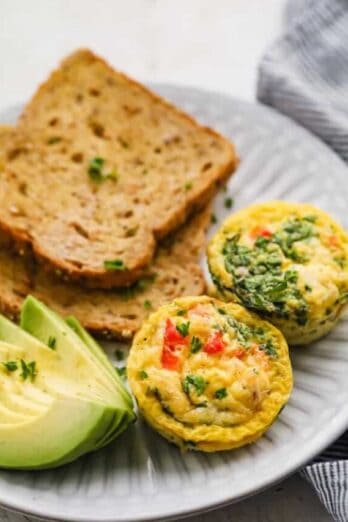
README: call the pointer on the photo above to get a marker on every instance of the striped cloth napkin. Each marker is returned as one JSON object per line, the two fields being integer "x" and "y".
{"x": 305, "y": 76}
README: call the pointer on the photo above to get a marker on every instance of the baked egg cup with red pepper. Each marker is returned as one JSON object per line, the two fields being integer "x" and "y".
{"x": 285, "y": 261}
{"x": 209, "y": 375}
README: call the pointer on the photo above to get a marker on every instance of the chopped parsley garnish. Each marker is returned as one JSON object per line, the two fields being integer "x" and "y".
{"x": 53, "y": 140}
{"x": 258, "y": 279}
{"x": 122, "y": 372}
{"x": 183, "y": 328}
{"x": 143, "y": 375}
{"x": 290, "y": 232}
{"x": 181, "y": 312}
{"x": 29, "y": 370}
{"x": 194, "y": 381}
{"x": 243, "y": 331}
{"x": 248, "y": 335}
{"x": 343, "y": 298}
{"x": 196, "y": 344}
{"x": 113, "y": 174}
{"x": 52, "y": 342}
{"x": 340, "y": 261}
{"x": 114, "y": 264}
{"x": 188, "y": 186}
{"x": 228, "y": 203}
{"x": 222, "y": 311}
{"x": 11, "y": 366}
{"x": 310, "y": 218}
{"x": 221, "y": 393}
{"x": 123, "y": 143}
{"x": 217, "y": 327}
{"x": 95, "y": 170}
{"x": 119, "y": 354}
{"x": 139, "y": 286}
{"x": 269, "y": 348}
{"x": 147, "y": 304}
{"x": 144, "y": 282}
{"x": 213, "y": 219}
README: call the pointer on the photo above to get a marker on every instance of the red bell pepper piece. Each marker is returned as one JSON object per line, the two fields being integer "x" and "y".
{"x": 170, "y": 359}
{"x": 215, "y": 344}
{"x": 333, "y": 241}
{"x": 239, "y": 353}
{"x": 173, "y": 342}
{"x": 260, "y": 232}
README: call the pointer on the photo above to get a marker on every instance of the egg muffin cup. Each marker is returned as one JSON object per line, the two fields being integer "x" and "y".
{"x": 286, "y": 261}
{"x": 209, "y": 375}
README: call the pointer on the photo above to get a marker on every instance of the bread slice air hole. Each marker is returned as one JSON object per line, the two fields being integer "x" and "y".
{"x": 77, "y": 157}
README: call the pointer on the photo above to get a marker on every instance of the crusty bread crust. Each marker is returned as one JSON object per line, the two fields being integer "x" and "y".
{"x": 109, "y": 313}
{"x": 169, "y": 166}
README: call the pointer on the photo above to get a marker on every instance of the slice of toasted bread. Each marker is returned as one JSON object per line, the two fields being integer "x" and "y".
{"x": 100, "y": 168}
{"x": 109, "y": 313}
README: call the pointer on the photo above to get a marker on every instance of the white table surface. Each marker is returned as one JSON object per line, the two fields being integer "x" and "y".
{"x": 214, "y": 44}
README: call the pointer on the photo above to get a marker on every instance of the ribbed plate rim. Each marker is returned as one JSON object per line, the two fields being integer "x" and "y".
{"x": 319, "y": 443}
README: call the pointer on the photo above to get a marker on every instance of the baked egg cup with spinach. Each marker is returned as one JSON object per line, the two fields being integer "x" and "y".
{"x": 285, "y": 261}
{"x": 209, "y": 375}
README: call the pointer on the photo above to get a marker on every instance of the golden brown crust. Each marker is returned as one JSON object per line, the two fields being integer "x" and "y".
{"x": 73, "y": 232}
{"x": 109, "y": 313}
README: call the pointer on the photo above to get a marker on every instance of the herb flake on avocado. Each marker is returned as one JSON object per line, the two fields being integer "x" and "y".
{"x": 52, "y": 342}
{"x": 122, "y": 372}
{"x": 29, "y": 370}
{"x": 11, "y": 366}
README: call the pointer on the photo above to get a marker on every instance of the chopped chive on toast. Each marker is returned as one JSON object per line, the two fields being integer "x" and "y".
{"x": 99, "y": 169}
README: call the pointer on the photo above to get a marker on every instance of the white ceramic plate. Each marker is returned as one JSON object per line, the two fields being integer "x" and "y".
{"x": 142, "y": 477}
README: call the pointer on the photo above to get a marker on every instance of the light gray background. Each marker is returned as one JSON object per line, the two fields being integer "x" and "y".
{"x": 214, "y": 44}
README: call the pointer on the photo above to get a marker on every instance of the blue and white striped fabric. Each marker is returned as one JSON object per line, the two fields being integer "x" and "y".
{"x": 305, "y": 73}
{"x": 305, "y": 76}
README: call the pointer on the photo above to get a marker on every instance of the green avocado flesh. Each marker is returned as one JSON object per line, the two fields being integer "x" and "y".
{"x": 60, "y": 397}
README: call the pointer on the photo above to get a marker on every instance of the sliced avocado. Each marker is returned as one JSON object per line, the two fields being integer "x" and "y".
{"x": 90, "y": 342}
{"x": 43, "y": 323}
{"x": 50, "y": 440}
{"x": 25, "y": 402}
{"x": 97, "y": 350}
{"x": 59, "y": 365}
{"x": 71, "y": 402}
